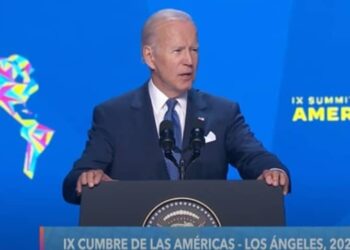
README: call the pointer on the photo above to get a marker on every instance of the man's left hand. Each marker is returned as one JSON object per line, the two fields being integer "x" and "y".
{"x": 276, "y": 178}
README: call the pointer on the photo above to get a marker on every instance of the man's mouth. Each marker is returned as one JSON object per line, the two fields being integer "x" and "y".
{"x": 186, "y": 75}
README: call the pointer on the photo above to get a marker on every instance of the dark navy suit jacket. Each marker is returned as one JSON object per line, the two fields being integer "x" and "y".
{"x": 124, "y": 142}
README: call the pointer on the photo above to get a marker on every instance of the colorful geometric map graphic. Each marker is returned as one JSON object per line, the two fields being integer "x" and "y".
{"x": 16, "y": 86}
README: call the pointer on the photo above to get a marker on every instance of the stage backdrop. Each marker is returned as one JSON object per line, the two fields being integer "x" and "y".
{"x": 285, "y": 62}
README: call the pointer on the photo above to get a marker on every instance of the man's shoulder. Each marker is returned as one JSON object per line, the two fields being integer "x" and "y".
{"x": 212, "y": 100}
{"x": 122, "y": 101}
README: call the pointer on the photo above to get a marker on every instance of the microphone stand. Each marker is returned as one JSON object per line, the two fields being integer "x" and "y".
{"x": 197, "y": 141}
{"x": 171, "y": 157}
{"x": 182, "y": 168}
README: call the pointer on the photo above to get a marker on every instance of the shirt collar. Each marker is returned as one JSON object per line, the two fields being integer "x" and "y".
{"x": 158, "y": 98}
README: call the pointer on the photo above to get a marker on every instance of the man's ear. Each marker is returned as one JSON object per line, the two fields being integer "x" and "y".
{"x": 148, "y": 56}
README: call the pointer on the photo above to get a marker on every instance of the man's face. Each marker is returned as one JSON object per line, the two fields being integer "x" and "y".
{"x": 174, "y": 57}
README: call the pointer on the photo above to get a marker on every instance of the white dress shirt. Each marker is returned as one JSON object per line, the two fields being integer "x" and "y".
{"x": 158, "y": 99}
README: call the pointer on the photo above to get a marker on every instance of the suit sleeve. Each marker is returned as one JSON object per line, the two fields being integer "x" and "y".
{"x": 244, "y": 151}
{"x": 98, "y": 154}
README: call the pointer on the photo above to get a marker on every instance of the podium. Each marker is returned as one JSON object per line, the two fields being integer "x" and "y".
{"x": 182, "y": 203}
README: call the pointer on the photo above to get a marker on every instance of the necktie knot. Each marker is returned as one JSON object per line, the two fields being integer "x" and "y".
{"x": 171, "y": 103}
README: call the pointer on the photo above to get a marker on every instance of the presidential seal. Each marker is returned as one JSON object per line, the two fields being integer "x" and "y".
{"x": 181, "y": 212}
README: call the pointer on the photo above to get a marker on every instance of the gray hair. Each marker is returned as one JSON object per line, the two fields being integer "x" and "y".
{"x": 164, "y": 15}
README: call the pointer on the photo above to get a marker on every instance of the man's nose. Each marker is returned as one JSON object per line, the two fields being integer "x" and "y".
{"x": 188, "y": 58}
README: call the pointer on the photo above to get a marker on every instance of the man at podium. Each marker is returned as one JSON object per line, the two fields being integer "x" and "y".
{"x": 203, "y": 134}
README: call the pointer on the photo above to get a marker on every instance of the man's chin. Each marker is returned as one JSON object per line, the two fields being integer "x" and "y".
{"x": 186, "y": 84}
{"x": 185, "y": 87}
{"x": 180, "y": 91}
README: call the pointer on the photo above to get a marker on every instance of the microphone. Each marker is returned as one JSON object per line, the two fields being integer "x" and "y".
{"x": 197, "y": 138}
{"x": 167, "y": 140}
{"x": 166, "y": 137}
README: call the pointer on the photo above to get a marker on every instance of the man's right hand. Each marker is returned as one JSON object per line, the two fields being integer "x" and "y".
{"x": 91, "y": 178}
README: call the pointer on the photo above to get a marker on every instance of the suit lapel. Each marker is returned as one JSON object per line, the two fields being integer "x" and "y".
{"x": 195, "y": 109}
{"x": 144, "y": 118}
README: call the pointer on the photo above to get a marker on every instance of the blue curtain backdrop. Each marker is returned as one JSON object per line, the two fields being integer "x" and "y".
{"x": 263, "y": 54}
